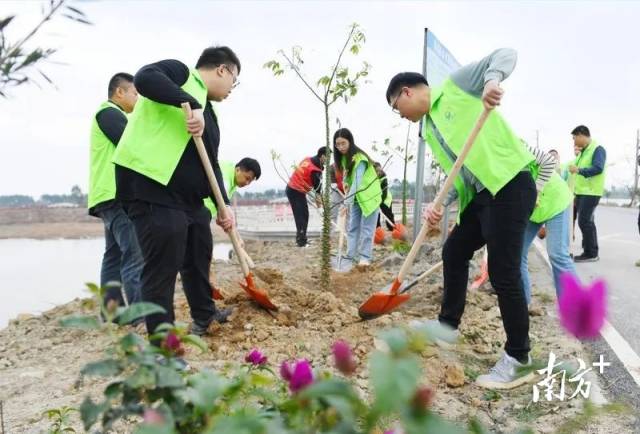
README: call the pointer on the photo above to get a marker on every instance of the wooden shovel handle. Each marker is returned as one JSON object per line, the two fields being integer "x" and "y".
{"x": 213, "y": 182}
{"x": 437, "y": 203}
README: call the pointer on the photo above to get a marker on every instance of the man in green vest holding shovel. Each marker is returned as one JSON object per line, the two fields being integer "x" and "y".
{"x": 235, "y": 176}
{"x": 495, "y": 190}
{"x": 162, "y": 183}
{"x": 122, "y": 261}
{"x": 589, "y": 172}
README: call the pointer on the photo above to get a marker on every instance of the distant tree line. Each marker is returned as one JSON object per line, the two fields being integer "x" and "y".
{"x": 76, "y": 197}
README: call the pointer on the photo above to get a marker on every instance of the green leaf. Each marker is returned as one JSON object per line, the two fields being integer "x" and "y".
{"x": 137, "y": 310}
{"x": 430, "y": 423}
{"x": 89, "y": 412}
{"x": 143, "y": 377}
{"x": 476, "y": 427}
{"x": 168, "y": 377}
{"x": 196, "y": 341}
{"x": 393, "y": 381}
{"x": 4, "y": 22}
{"x": 355, "y": 49}
{"x": 95, "y": 289}
{"x": 155, "y": 429}
{"x": 84, "y": 322}
{"x": 113, "y": 390}
{"x": 240, "y": 423}
{"x": 396, "y": 339}
{"x": 132, "y": 341}
{"x": 103, "y": 368}
{"x": 205, "y": 388}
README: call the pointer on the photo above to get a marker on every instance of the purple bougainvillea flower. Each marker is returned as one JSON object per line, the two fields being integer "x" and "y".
{"x": 582, "y": 308}
{"x": 153, "y": 417}
{"x": 343, "y": 357}
{"x": 301, "y": 377}
{"x": 286, "y": 371}
{"x": 256, "y": 358}
{"x": 172, "y": 342}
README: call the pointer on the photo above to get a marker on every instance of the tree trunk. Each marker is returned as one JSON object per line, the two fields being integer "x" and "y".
{"x": 326, "y": 206}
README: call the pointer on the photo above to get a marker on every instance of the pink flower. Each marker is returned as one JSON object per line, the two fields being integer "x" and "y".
{"x": 173, "y": 344}
{"x": 343, "y": 357}
{"x": 153, "y": 417}
{"x": 582, "y": 308}
{"x": 255, "y": 357}
{"x": 286, "y": 371}
{"x": 423, "y": 397}
{"x": 298, "y": 375}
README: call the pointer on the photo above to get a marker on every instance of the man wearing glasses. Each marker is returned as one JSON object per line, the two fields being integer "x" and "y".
{"x": 495, "y": 190}
{"x": 162, "y": 184}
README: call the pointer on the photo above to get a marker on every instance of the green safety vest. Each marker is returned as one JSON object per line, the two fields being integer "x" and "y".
{"x": 156, "y": 134}
{"x": 554, "y": 198}
{"x": 594, "y": 185}
{"x": 389, "y": 199}
{"x": 369, "y": 194}
{"x": 102, "y": 177}
{"x": 497, "y": 155}
{"x": 228, "y": 170}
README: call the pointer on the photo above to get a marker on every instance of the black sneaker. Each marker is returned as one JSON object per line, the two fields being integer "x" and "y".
{"x": 585, "y": 258}
{"x": 221, "y": 316}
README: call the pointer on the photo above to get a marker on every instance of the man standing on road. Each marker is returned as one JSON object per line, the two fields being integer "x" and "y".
{"x": 589, "y": 172}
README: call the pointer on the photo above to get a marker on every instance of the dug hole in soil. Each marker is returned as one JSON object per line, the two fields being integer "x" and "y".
{"x": 40, "y": 361}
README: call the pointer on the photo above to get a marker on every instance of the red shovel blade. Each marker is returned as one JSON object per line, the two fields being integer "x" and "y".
{"x": 215, "y": 292}
{"x": 382, "y": 302}
{"x": 257, "y": 294}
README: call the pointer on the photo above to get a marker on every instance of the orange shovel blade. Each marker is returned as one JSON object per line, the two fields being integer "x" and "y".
{"x": 382, "y": 303}
{"x": 258, "y": 295}
{"x": 215, "y": 292}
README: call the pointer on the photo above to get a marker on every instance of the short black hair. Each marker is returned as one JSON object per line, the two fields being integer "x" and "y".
{"x": 404, "y": 79}
{"x": 213, "y": 57}
{"x": 117, "y": 80}
{"x": 581, "y": 130}
{"x": 251, "y": 164}
{"x": 321, "y": 151}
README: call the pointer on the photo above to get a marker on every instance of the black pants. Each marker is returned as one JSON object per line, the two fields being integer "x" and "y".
{"x": 300, "y": 208}
{"x": 586, "y": 221}
{"x": 173, "y": 241}
{"x": 499, "y": 223}
{"x": 386, "y": 210}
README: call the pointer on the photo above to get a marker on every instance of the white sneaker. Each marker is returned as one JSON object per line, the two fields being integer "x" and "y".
{"x": 364, "y": 263}
{"x": 505, "y": 375}
{"x": 443, "y": 336}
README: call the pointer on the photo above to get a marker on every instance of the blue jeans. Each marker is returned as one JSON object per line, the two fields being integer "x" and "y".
{"x": 360, "y": 233}
{"x": 557, "y": 249}
{"x": 122, "y": 260}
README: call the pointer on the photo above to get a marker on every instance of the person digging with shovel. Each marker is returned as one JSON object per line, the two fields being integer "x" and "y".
{"x": 495, "y": 190}
{"x": 161, "y": 180}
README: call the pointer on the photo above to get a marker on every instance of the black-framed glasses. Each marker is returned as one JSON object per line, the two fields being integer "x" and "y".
{"x": 394, "y": 107}
{"x": 236, "y": 82}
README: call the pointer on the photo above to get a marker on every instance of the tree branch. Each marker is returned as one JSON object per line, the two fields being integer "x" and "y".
{"x": 295, "y": 68}
{"x": 47, "y": 17}
{"x": 335, "y": 68}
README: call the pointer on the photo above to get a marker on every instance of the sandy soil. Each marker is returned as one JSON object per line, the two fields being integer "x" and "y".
{"x": 39, "y": 362}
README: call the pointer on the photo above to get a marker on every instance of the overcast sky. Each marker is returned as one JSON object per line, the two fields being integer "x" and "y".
{"x": 578, "y": 63}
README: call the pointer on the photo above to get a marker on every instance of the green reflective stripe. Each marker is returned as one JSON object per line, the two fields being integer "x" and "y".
{"x": 228, "y": 170}
{"x": 594, "y": 185}
{"x": 369, "y": 194}
{"x": 102, "y": 177}
{"x": 156, "y": 134}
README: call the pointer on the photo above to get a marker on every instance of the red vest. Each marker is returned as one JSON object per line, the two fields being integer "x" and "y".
{"x": 301, "y": 178}
{"x": 339, "y": 180}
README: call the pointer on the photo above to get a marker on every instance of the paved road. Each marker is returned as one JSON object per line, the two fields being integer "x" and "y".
{"x": 619, "y": 244}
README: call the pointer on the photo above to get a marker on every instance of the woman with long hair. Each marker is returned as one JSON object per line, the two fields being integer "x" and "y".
{"x": 364, "y": 195}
